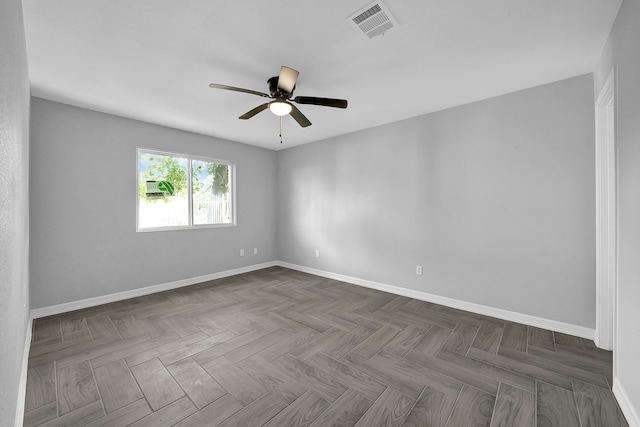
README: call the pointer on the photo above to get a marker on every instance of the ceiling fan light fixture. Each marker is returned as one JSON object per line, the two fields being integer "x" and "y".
{"x": 280, "y": 108}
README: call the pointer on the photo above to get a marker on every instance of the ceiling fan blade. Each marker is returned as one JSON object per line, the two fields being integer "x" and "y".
{"x": 287, "y": 79}
{"x": 326, "y": 102}
{"x": 238, "y": 89}
{"x": 253, "y": 112}
{"x": 299, "y": 117}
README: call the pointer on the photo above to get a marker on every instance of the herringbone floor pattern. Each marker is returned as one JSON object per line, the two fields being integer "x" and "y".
{"x": 278, "y": 347}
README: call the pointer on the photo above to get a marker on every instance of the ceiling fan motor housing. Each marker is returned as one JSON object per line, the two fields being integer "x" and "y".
{"x": 275, "y": 91}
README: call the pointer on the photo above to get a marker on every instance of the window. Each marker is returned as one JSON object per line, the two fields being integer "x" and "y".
{"x": 179, "y": 191}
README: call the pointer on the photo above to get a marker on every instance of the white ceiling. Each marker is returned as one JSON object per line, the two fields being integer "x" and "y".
{"x": 152, "y": 60}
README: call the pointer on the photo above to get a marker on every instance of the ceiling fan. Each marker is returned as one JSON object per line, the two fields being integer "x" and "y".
{"x": 281, "y": 89}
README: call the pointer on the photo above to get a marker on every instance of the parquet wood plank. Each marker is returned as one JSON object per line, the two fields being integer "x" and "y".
{"x": 41, "y": 415}
{"x": 196, "y": 382}
{"x": 283, "y": 323}
{"x": 433, "y": 409}
{"x": 386, "y": 318}
{"x": 244, "y": 388}
{"x": 460, "y": 373}
{"x": 399, "y": 377}
{"x": 403, "y": 342}
{"x": 214, "y": 414}
{"x": 488, "y": 337}
{"x": 156, "y": 383}
{"x": 555, "y": 406}
{"x": 43, "y": 355}
{"x": 515, "y": 336}
{"x": 168, "y": 415}
{"x": 390, "y": 409}
{"x": 124, "y": 348}
{"x": 302, "y": 412}
{"x": 41, "y": 386}
{"x": 101, "y": 326}
{"x": 195, "y": 347}
{"x": 576, "y": 362}
{"x": 75, "y": 329}
{"x": 597, "y": 406}
{"x": 79, "y": 417}
{"x": 128, "y": 327}
{"x": 460, "y": 339}
{"x": 567, "y": 340}
{"x": 257, "y": 413}
{"x": 116, "y": 385}
{"x": 317, "y": 345}
{"x": 46, "y": 330}
{"x": 283, "y": 347}
{"x": 281, "y": 383}
{"x": 76, "y": 387}
{"x": 317, "y": 380}
{"x": 541, "y": 338}
{"x": 143, "y": 356}
{"x": 309, "y": 322}
{"x": 433, "y": 341}
{"x": 357, "y": 319}
{"x": 486, "y": 369}
{"x": 226, "y": 347}
{"x": 562, "y": 369}
{"x": 257, "y": 345}
{"x": 520, "y": 367}
{"x": 346, "y": 342}
{"x": 345, "y": 411}
{"x": 354, "y": 378}
{"x": 473, "y": 408}
{"x": 375, "y": 342}
{"x": 207, "y": 325}
{"x": 514, "y": 407}
{"x": 124, "y": 416}
{"x": 288, "y": 345}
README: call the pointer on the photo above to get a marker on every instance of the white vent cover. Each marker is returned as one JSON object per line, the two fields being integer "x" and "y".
{"x": 373, "y": 20}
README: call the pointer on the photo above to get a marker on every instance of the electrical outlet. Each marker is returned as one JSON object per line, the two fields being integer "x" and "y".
{"x": 317, "y": 253}
{"x": 241, "y": 252}
{"x": 255, "y": 251}
{"x": 419, "y": 270}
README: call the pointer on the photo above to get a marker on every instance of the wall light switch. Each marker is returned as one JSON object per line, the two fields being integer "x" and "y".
{"x": 241, "y": 252}
{"x": 317, "y": 253}
{"x": 255, "y": 251}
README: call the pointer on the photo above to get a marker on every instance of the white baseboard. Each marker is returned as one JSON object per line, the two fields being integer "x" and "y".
{"x": 499, "y": 313}
{"x": 119, "y": 296}
{"x": 626, "y": 405}
{"x": 526, "y": 319}
{"x": 22, "y": 385}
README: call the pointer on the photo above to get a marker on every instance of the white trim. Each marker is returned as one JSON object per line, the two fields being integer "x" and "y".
{"x": 119, "y": 296}
{"x": 499, "y": 313}
{"x": 22, "y": 385}
{"x": 626, "y": 405}
{"x": 526, "y": 319}
{"x": 190, "y": 158}
{"x": 606, "y": 214}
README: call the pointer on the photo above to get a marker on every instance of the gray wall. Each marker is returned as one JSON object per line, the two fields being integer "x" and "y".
{"x": 14, "y": 204}
{"x": 622, "y": 50}
{"x": 494, "y": 199}
{"x": 83, "y": 207}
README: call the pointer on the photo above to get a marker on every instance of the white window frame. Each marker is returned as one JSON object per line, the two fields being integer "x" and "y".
{"x": 190, "y": 158}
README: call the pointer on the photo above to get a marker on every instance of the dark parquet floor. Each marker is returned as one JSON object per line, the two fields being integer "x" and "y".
{"x": 277, "y": 347}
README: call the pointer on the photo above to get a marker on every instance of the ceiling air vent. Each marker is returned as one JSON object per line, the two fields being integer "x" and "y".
{"x": 373, "y": 20}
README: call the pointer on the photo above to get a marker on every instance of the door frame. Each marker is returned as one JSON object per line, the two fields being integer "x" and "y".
{"x": 606, "y": 214}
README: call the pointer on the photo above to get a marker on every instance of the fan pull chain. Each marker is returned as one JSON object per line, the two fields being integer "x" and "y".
{"x": 280, "y": 129}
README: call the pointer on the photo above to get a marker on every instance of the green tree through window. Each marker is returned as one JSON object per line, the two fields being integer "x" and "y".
{"x": 202, "y": 191}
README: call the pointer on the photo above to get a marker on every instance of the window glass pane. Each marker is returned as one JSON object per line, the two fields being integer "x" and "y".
{"x": 211, "y": 195}
{"x": 163, "y": 193}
